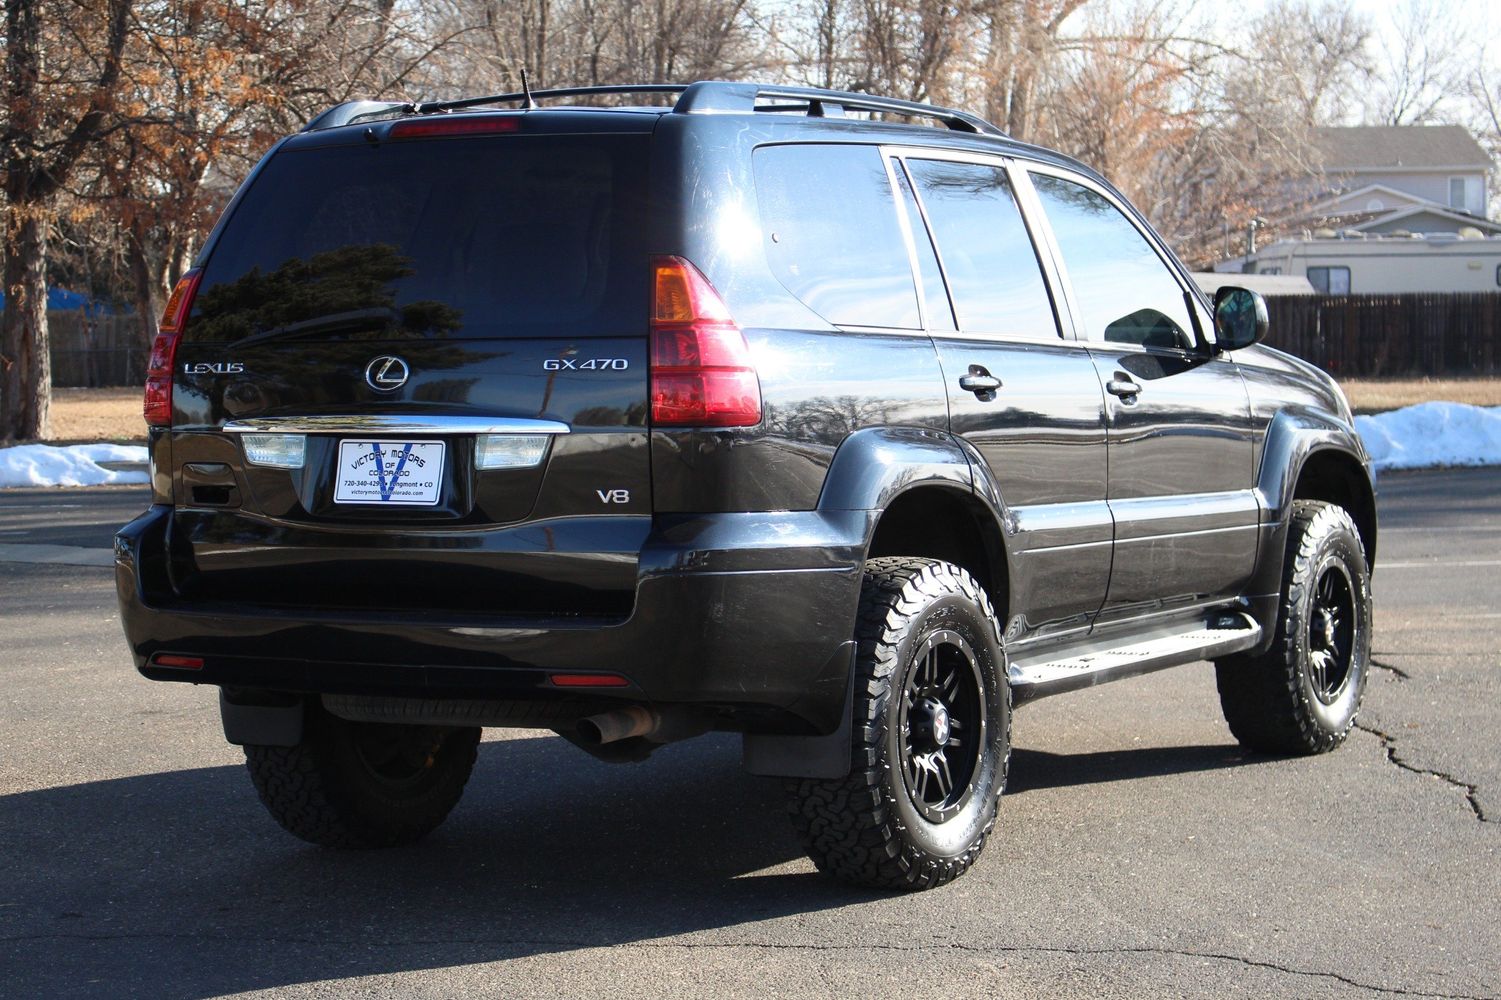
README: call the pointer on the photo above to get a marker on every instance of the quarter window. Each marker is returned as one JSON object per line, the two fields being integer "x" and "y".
{"x": 1124, "y": 291}
{"x": 829, "y": 226}
{"x": 1330, "y": 280}
{"x": 988, "y": 258}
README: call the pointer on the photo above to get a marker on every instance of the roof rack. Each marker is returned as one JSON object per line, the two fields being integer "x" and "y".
{"x": 704, "y": 97}
{"x": 720, "y": 96}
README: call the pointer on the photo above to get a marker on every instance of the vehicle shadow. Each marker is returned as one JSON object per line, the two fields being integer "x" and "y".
{"x": 177, "y": 885}
{"x": 1033, "y": 769}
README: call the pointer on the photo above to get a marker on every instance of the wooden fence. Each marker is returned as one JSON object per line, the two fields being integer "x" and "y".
{"x": 1399, "y": 335}
{"x": 96, "y": 351}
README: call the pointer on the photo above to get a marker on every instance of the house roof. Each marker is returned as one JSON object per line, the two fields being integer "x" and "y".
{"x": 1436, "y": 211}
{"x": 1393, "y": 147}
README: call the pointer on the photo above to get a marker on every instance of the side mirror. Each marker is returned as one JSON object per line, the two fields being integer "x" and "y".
{"x": 1240, "y": 318}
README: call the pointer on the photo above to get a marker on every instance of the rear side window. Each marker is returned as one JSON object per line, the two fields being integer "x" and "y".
{"x": 514, "y": 236}
{"x": 829, "y": 224}
{"x": 987, "y": 254}
{"x": 1126, "y": 293}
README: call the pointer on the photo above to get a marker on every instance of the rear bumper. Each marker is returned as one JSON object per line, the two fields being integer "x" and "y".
{"x": 741, "y": 611}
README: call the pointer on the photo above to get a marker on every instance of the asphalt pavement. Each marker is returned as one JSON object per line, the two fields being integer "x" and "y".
{"x": 1139, "y": 852}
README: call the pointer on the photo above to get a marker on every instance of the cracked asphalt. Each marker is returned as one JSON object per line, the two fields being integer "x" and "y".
{"x": 1139, "y": 853}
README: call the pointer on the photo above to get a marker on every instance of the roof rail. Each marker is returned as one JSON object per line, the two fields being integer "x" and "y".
{"x": 704, "y": 97}
{"x": 721, "y": 96}
{"x": 524, "y": 97}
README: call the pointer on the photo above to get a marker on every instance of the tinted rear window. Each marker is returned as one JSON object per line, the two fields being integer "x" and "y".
{"x": 514, "y": 236}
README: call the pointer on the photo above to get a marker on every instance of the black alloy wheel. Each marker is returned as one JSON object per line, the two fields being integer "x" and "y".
{"x": 942, "y": 725}
{"x": 1331, "y": 633}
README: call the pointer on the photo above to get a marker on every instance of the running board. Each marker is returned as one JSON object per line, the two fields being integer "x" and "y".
{"x": 1055, "y": 670}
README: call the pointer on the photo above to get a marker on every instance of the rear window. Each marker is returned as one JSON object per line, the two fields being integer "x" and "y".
{"x": 513, "y": 236}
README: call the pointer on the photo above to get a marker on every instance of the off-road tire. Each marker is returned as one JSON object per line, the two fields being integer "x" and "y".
{"x": 338, "y": 787}
{"x": 1270, "y": 700}
{"x": 866, "y": 828}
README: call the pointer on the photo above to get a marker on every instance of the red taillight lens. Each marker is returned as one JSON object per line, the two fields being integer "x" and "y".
{"x": 421, "y": 128}
{"x": 701, "y": 369}
{"x": 180, "y": 662}
{"x": 588, "y": 680}
{"x": 158, "y": 403}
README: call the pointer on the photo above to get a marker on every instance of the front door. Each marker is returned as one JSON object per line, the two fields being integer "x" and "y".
{"x": 1180, "y": 444}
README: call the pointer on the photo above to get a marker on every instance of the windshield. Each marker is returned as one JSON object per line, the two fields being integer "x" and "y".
{"x": 511, "y": 236}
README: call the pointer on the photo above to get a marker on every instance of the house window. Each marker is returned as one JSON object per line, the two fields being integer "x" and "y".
{"x": 1457, "y": 193}
{"x": 1269, "y": 270}
{"x": 1330, "y": 280}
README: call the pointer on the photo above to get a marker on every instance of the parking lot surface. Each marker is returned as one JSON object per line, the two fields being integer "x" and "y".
{"x": 1139, "y": 852}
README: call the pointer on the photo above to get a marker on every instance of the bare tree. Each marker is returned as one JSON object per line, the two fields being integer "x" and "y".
{"x": 1418, "y": 69}
{"x": 62, "y": 71}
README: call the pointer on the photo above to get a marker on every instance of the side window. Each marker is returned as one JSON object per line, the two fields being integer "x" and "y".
{"x": 987, "y": 254}
{"x": 1125, "y": 293}
{"x": 829, "y": 226}
{"x": 936, "y": 307}
{"x": 1330, "y": 280}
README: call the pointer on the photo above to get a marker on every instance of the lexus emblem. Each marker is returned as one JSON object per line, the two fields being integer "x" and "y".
{"x": 387, "y": 372}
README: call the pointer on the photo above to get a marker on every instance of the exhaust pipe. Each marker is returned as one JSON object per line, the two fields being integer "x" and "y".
{"x": 619, "y": 724}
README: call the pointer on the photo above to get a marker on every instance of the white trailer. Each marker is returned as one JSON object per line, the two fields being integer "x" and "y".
{"x": 1359, "y": 264}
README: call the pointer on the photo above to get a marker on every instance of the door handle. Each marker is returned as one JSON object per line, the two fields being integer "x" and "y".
{"x": 980, "y": 382}
{"x": 1124, "y": 386}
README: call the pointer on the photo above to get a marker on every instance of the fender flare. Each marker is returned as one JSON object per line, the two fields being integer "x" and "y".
{"x": 1293, "y": 438}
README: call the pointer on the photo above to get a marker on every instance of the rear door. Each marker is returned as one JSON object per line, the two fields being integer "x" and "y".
{"x": 1026, "y": 398}
{"x": 455, "y": 325}
{"x": 1180, "y": 441}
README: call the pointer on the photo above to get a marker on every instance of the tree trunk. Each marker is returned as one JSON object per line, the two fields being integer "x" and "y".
{"x": 147, "y": 279}
{"x": 25, "y": 355}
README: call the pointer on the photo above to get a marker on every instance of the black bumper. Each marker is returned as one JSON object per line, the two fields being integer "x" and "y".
{"x": 741, "y": 611}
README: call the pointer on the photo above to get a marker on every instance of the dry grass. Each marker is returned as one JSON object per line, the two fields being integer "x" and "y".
{"x": 97, "y": 415}
{"x": 1370, "y": 395}
{"x": 115, "y": 414}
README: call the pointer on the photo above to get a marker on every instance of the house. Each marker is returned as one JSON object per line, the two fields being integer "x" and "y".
{"x": 1402, "y": 178}
{"x": 1398, "y": 209}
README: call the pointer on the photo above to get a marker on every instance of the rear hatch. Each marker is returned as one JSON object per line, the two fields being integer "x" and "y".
{"x": 452, "y": 328}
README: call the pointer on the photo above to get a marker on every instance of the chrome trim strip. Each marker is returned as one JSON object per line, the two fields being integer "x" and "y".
{"x": 389, "y": 424}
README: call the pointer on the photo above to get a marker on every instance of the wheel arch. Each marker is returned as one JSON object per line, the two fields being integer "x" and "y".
{"x": 1310, "y": 456}
{"x": 929, "y": 496}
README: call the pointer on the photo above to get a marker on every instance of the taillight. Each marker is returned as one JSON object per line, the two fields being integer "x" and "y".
{"x": 701, "y": 370}
{"x": 158, "y": 403}
{"x": 422, "y": 128}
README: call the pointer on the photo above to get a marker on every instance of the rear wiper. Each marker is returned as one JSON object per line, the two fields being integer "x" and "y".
{"x": 354, "y": 319}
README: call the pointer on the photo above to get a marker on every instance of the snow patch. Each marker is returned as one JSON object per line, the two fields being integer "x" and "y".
{"x": 74, "y": 465}
{"x": 1429, "y": 434}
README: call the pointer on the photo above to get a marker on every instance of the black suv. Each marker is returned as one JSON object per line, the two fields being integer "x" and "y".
{"x": 841, "y": 422}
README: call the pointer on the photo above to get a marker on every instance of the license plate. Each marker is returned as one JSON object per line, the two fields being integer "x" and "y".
{"x": 389, "y": 472}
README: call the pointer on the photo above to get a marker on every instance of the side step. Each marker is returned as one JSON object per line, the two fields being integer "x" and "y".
{"x": 1054, "y": 670}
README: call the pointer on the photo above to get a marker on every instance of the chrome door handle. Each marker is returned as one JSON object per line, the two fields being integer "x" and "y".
{"x": 1123, "y": 386}
{"x": 980, "y": 382}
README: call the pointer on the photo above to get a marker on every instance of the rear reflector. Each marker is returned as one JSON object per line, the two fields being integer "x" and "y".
{"x": 157, "y": 406}
{"x": 181, "y": 662}
{"x": 509, "y": 451}
{"x": 278, "y": 451}
{"x": 421, "y": 128}
{"x": 701, "y": 369}
{"x": 588, "y": 680}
